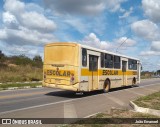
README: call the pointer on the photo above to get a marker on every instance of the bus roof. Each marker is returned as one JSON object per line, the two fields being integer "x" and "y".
{"x": 105, "y": 51}
{"x": 62, "y": 43}
{"x": 91, "y": 48}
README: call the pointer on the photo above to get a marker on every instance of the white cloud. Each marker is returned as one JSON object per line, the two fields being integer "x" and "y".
{"x": 146, "y": 29}
{"x": 77, "y": 24}
{"x": 10, "y": 20}
{"x": 114, "y": 5}
{"x": 155, "y": 46}
{"x": 93, "y": 41}
{"x": 151, "y": 9}
{"x": 3, "y": 34}
{"x": 14, "y": 6}
{"x": 127, "y": 13}
{"x": 24, "y": 36}
{"x": 34, "y": 7}
{"x": 128, "y": 42}
{"x": 34, "y": 20}
{"x": 87, "y": 7}
{"x": 25, "y": 27}
{"x": 149, "y": 29}
{"x": 85, "y": 25}
{"x": 30, "y": 19}
{"x": 149, "y": 53}
{"x": 29, "y": 51}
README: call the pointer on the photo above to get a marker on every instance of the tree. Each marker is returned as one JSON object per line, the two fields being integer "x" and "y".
{"x": 3, "y": 58}
{"x": 21, "y": 60}
{"x": 37, "y": 58}
{"x": 37, "y": 61}
{"x": 1, "y": 54}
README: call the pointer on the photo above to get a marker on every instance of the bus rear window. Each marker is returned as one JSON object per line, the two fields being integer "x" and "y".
{"x": 61, "y": 54}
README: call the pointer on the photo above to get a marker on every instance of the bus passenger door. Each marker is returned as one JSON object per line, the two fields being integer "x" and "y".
{"x": 138, "y": 72}
{"x": 124, "y": 74}
{"x": 93, "y": 69}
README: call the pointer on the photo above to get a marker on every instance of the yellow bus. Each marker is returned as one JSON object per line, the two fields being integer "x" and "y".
{"x": 80, "y": 68}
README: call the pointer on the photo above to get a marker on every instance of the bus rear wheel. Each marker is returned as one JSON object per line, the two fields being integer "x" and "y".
{"x": 106, "y": 86}
{"x": 134, "y": 82}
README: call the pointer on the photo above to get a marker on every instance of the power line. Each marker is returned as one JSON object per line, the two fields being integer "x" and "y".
{"x": 121, "y": 44}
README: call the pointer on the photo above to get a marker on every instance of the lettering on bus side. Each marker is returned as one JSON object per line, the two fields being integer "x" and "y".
{"x": 58, "y": 73}
{"x": 134, "y": 73}
{"x": 109, "y": 72}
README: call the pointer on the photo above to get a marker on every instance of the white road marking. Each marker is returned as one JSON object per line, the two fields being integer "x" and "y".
{"x": 91, "y": 115}
{"x": 116, "y": 100}
{"x": 22, "y": 100}
{"x": 134, "y": 92}
{"x": 69, "y": 110}
{"x": 151, "y": 89}
{"x": 138, "y": 87}
{"x": 37, "y": 106}
{"x": 30, "y": 89}
{"x": 150, "y": 85}
{"x": 20, "y": 89}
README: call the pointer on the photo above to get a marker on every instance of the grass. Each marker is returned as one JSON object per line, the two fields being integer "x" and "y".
{"x": 114, "y": 113}
{"x": 5, "y": 86}
{"x": 146, "y": 77}
{"x": 19, "y": 73}
{"x": 150, "y": 101}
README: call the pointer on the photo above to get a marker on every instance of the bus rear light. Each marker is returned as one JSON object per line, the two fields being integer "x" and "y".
{"x": 72, "y": 78}
{"x": 44, "y": 75}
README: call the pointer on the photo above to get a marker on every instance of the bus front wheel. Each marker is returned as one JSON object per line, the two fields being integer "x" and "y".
{"x": 106, "y": 86}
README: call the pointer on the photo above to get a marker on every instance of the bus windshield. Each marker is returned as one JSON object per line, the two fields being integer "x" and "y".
{"x": 61, "y": 54}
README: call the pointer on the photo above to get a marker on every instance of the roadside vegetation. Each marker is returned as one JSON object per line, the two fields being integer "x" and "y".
{"x": 148, "y": 74}
{"x": 150, "y": 101}
{"x": 114, "y": 113}
{"x": 20, "y": 68}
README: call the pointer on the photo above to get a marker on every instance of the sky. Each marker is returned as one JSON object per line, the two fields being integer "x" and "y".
{"x": 129, "y": 27}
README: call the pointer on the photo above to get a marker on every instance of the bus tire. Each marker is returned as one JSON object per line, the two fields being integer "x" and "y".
{"x": 106, "y": 86}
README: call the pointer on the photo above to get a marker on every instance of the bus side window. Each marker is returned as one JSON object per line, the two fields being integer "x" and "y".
{"x": 102, "y": 59}
{"x": 117, "y": 63}
{"x": 108, "y": 61}
{"x": 84, "y": 57}
{"x": 129, "y": 64}
{"x": 132, "y": 64}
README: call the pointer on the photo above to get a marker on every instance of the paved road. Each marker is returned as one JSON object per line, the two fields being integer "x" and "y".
{"x": 55, "y": 103}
